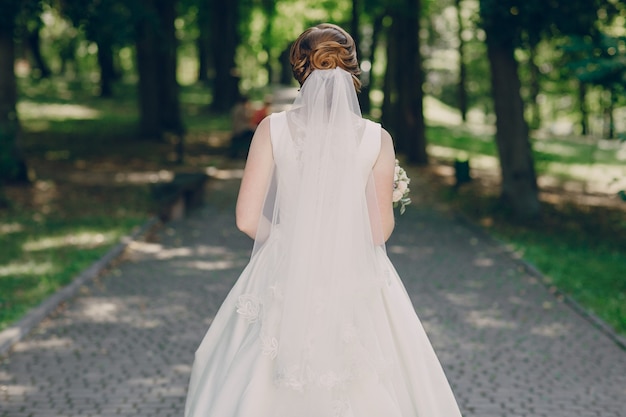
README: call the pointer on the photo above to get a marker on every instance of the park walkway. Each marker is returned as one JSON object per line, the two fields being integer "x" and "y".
{"x": 124, "y": 346}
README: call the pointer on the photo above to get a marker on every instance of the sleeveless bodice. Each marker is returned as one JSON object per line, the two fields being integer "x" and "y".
{"x": 285, "y": 155}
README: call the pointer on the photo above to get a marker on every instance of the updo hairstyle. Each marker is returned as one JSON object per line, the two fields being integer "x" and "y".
{"x": 325, "y": 46}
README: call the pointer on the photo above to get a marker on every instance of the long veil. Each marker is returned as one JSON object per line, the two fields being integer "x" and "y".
{"x": 323, "y": 325}
{"x": 316, "y": 322}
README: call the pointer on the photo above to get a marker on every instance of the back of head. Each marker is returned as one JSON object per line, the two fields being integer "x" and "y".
{"x": 325, "y": 46}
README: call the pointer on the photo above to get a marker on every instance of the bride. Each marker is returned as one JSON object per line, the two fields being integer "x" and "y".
{"x": 319, "y": 323}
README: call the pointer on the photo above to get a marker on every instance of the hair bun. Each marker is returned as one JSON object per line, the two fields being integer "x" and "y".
{"x": 322, "y": 47}
{"x": 326, "y": 55}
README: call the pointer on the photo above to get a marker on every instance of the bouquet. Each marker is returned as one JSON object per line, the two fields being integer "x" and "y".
{"x": 401, "y": 188}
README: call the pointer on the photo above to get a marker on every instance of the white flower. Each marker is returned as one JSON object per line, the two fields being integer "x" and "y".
{"x": 402, "y": 186}
{"x": 249, "y": 307}
{"x": 397, "y": 195}
{"x": 401, "y": 190}
{"x": 269, "y": 346}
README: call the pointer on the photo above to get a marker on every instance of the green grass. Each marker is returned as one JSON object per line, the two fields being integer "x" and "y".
{"x": 561, "y": 158}
{"x": 44, "y": 248}
{"x": 593, "y": 274}
{"x": 59, "y": 225}
{"x": 580, "y": 249}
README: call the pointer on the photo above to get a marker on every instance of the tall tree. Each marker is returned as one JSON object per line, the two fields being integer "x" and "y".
{"x": 462, "y": 87}
{"x": 519, "y": 182}
{"x": 12, "y": 163}
{"x": 224, "y": 42}
{"x": 408, "y": 125}
{"x": 204, "y": 40}
{"x": 269, "y": 10}
{"x": 159, "y": 102}
{"x": 534, "y": 86}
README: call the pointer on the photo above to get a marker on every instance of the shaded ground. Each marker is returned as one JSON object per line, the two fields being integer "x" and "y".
{"x": 125, "y": 345}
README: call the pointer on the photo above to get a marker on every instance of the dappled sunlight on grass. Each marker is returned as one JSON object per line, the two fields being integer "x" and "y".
{"x": 42, "y": 251}
{"x": 560, "y": 149}
{"x": 27, "y": 268}
{"x": 30, "y": 110}
{"x": 6, "y": 228}
{"x": 81, "y": 239}
{"x": 600, "y": 178}
{"x": 147, "y": 177}
{"x": 477, "y": 160}
{"x": 578, "y": 166}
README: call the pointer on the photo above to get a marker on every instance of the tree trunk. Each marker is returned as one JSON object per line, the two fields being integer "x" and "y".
{"x": 582, "y": 106}
{"x": 609, "y": 112}
{"x": 390, "y": 110}
{"x": 519, "y": 183}
{"x": 159, "y": 103}
{"x": 355, "y": 32}
{"x": 286, "y": 73}
{"x": 148, "y": 68}
{"x": 462, "y": 88}
{"x": 269, "y": 7}
{"x": 535, "y": 88}
{"x": 34, "y": 45}
{"x": 12, "y": 164}
{"x": 411, "y": 126}
{"x": 366, "y": 102}
{"x": 204, "y": 42}
{"x": 107, "y": 68}
{"x": 225, "y": 39}
{"x": 169, "y": 102}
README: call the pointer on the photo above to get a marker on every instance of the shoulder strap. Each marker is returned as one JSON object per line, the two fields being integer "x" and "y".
{"x": 370, "y": 144}
{"x": 278, "y": 123}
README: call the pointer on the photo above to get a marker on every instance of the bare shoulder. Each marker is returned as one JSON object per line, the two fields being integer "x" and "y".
{"x": 386, "y": 143}
{"x": 385, "y": 138}
{"x": 264, "y": 126}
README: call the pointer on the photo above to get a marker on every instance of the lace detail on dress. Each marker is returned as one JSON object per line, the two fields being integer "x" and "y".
{"x": 341, "y": 408}
{"x": 297, "y": 378}
{"x": 249, "y": 307}
{"x": 269, "y": 346}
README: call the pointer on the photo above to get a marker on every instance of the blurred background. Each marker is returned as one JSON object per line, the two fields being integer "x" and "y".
{"x": 510, "y": 113}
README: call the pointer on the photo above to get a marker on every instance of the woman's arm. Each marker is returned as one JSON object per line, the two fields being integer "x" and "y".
{"x": 383, "y": 181}
{"x": 256, "y": 177}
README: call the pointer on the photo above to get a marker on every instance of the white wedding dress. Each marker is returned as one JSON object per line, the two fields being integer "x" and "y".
{"x": 319, "y": 323}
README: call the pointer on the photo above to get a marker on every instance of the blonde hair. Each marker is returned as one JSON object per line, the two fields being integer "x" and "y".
{"x": 325, "y": 46}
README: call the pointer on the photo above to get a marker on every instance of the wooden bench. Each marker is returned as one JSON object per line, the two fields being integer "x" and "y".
{"x": 174, "y": 199}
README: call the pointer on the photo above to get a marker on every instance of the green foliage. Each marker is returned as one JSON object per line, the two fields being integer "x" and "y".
{"x": 514, "y": 21}
{"x": 599, "y": 60}
{"x": 12, "y": 8}
{"x": 107, "y": 19}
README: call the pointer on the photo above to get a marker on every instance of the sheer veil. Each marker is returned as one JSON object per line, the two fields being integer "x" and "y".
{"x": 321, "y": 202}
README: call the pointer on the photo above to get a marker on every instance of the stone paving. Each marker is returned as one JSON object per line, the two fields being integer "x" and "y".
{"x": 124, "y": 346}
